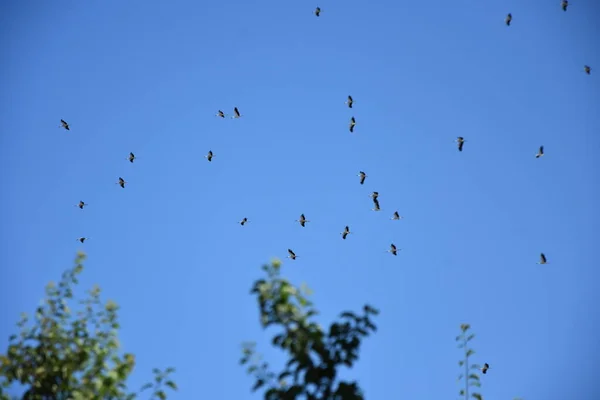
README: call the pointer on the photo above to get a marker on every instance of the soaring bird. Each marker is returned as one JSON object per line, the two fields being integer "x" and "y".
{"x": 393, "y": 249}
{"x": 121, "y": 182}
{"x": 508, "y": 19}
{"x": 82, "y": 239}
{"x": 542, "y": 259}
{"x": 220, "y": 114}
{"x": 291, "y": 255}
{"x": 540, "y": 152}
{"x": 236, "y": 113}
{"x": 564, "y": 5}
{"x": 352, "y": 124}
{"x": 350, "y": 102}
{"x": 64, "y": 124}
{"x": 209, "y": 156}
{"x": 302, "y": 220}
{"x": 461, "y": 141}
{"x": 243, "y": 221}
{"x": 376, "y": 202}
{"x": 81, "y": 204}
{"x": 485, "y": 368}
{"x": 396, "y": 216}
{"x": 131, "y": 157}
{"x": 346, "y": 232}
{"x": 318, "y": 11}
{"x": 363, "y": 176}
{"x": 586, "y": 68}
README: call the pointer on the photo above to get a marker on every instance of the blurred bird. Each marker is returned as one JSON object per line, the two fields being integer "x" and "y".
{"x": 121, "y": 182}
{"x": 352, "y": 124}
{"x": 291, "y": 255}
{"x": 363, "y": 176}
{"x": 82, "y": 239}
{"x": 376, "y": 202}
{"x": 564, "y": 5}
{"x": 542, "y": 259}
{"x": 209, "y": 156}
{"x": 302, "y": 220}
{"x": 64, "y": 124}
{"x": 131, "y": 157}
{"x": 461, "y": 141}
{"x": 508, "y": 19}
{"x": 318, "y": 11}
{"x": 396, "y": 216}
{"x": 243, "y": 221}
{"x": 346, "y": 232}
{"x": 350, "y": 102}
{"x": 586, "y": 68}
{"x": 81, "y": 204}
{"x": 393, "y": 249}
{"x": 220, "y": 114}
{"x": 485, "y": 368}
{"x": 236, "y": 113}
{"x": 540, "y": 152}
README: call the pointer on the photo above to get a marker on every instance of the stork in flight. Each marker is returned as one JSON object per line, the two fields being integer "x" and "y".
{"x": 318, "y": 11}
{"x": 81, "y": 204}
{"x": 209, "y": 156}
{"x": 82, "y": 239}
{"x": 396, "y": 216}
{"x": 291, "y": 254}
{"x": 564, "y": 5}
{"x": 542, "y": 259}
{"x": 508, "y": 19}
{"x": 352, "y": 124}
{"x": 363, "y": 176}
{"x": 64, "y": 124}
{"x": 131, "y": 158}
{"x": 220, "y": 114}
{"x": 346, "y": 232}
{"x": 243, "y": 221}
{"x": 236, "y": 113}
{"x": 540, "y": 152}
{"x": 485, "y": 368}
{"x": 393, "y": 249}
{"x": 461, "y": 141}
{"x": 121, "y": 182}
{"x": 349, "y": 102}
{"x": 302, "y": 220}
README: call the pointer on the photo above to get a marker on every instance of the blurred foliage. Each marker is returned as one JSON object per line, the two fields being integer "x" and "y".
{"x": 72, "y": 355}
{"x": 314, "y": 356}
{"x": 470, "y": 375}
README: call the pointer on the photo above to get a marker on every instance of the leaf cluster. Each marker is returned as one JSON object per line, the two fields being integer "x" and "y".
{"x": 315, "y": 356}
{"x": 470, "y": 374}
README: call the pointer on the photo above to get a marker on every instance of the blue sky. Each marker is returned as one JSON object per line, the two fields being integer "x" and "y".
{"x": 149, "y": 76}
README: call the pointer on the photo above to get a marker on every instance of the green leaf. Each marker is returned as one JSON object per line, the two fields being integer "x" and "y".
{"x": 171, "y": 384}
{"x": 161, "y": 395}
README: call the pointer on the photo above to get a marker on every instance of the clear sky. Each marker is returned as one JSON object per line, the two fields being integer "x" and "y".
{"x": 149, "y": 76}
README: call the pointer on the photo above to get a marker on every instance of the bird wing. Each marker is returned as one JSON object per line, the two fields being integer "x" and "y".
{"x": 541, "y": 149}
{"x": 543, "y": 257}
{"x": 291, "y": 252}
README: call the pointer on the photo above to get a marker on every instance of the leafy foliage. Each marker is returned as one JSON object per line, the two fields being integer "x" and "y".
{"x": 66, "y": 355}
{"x": 470, "y": 375}
{"x": 314, "y": 357}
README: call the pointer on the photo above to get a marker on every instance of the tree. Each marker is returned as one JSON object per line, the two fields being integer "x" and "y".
{"x": 470, "y": 377}
{"x": 314, "y": 357}
{"x": 66, "y": 355}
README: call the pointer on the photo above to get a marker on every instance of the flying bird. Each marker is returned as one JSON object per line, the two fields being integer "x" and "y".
{"x": 586, "y": 68}
{"x": 350, "y": 102}
{"x": 393, "y": 249}
{"x": 131, "y": 157}
{"x": 220, "y": 114}
{"x": 64, "y": 124}
{"x": 302, "y": 220}
{"x": 82, "y": 239}
{"x": 542, "y": 259}
{"x": 243, "y": 221}
{"x": 485, "y": 368}
{"x": 376, "y": 202}
{"x": 396, "y": 216}
{"x": 81, "y": 204}
{"x": 318, "y": 11}
{"x": 346, "y": 232}
{"x": 236, "y": 113}
{"x": 461, "y": 141}
{"x": 363, "y": 176}
{"x": 121, "y": 182}
{"x": 291, "y": 255}
{"x": 540, "y": 152}
{"x": 352, "y": 124}
{"x": 209, "y": 156}
{"x": 564, "y": 5}
{"x": 508, "y": 19}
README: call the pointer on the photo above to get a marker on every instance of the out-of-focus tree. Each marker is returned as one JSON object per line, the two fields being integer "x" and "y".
{"x": 315, "y": 356}
{"x": 470, "y": 375}
{"x": 73, "y": 355}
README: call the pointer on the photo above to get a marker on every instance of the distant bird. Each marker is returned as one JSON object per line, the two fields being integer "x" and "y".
{"x": 302, "y": 220}
{"x": 374, "y": 195}
{"x": 393, "y": 249}
{"x": 564, "y": 5}
{"x": 485, "y": 368}
{"x": 82, "y": 239}
{"x": 318, "y": 11}
{"x": 350, "y": 102}
{"x": 363, "y": 176}
{"x": 352, "y": 124}
{"x": 220, "y": 114}
{"x": 461, "y": 141}
{"x": 540, "y": 152}
{"x": 376, "y": 202}
{"x": 121, "y": 182}
{"x": 586, "y": 68}
{"x": 291, "y": 255}
{"x": 243, "y": 221}
{"x": 508, "y": 19}
{"x": 209, "y": 156}
{"x": 81, "y": 204}
{"x": 396, "y": 216}
{"x": 346, "y": 232}
{"x": 236, "y": 113}
{"x": 131, "y": 157}
{"x": 542, "y": 259}
{"x": 64, "y": 124}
